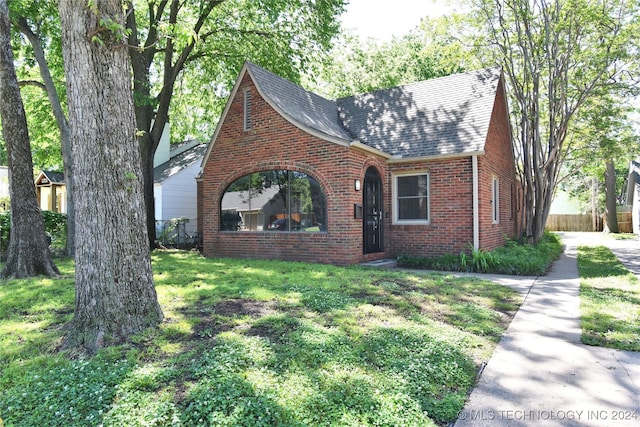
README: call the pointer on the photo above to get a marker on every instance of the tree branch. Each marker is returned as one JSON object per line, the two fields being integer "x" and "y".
{"x": 25, "y": 83}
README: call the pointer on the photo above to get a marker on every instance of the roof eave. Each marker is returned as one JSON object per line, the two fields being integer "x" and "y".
{"x": 397, "y": 159}
{"x": 359, "y": 145}
{"x": 314, "y": 132}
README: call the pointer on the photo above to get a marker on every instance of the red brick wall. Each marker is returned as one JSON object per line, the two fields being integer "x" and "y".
{"x": 451, "y": 207}
{"x": 274, "y": 143}
{"x": 497, "y": 161}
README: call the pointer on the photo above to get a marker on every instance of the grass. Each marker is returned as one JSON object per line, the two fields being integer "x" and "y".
{"x": 257, "y": 343}
{"x": 609, "y": 300}
{"x": 513, "y": 258}
{"x": 623, "y": 236}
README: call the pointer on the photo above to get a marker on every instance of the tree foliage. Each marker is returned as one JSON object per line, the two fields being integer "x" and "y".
{"x": 601, "y": 144}
{"x": 361, "y": 66}
{"x": 192, "y": 51}
{"x": 556, "y": 54}
{"x": 37, "y": 27}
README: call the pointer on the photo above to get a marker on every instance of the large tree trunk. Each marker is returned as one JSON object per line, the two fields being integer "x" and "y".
{"x": 63, "y": 126}
{"x": 28, "y": 252}
{"x": 610, "y": 197}
{"x": 147, "y": 151}
{"x": 594, "y": 204}
{"x": 115, "y": 294}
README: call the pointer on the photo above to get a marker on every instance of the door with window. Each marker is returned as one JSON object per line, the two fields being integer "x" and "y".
{"x": 373, "y": 212}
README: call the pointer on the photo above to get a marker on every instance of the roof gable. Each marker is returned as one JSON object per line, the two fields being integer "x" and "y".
{"x": 301, "y": 107}
{"x": 50, "y": 177}
{"x": 446, "y": 116}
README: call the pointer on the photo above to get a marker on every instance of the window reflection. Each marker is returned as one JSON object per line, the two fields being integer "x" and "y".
{"x": 412, "y": 198}
{"x": 276, "y": 200}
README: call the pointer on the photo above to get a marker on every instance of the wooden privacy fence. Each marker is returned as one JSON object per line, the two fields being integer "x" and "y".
{"x": 584, "y": 222}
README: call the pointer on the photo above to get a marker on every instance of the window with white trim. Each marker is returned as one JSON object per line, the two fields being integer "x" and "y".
{"x": 246, "y": 117}
{"x": 495, "y": 200}
{"x": 411, "y": 199}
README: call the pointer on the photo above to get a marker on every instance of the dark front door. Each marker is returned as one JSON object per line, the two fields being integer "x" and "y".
{"x": 373, "y": 213}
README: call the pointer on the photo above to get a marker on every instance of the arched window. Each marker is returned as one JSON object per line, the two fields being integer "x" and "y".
{"x": 275, "y": 200}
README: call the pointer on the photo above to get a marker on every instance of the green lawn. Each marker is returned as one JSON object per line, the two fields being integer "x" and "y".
{"x": 609, "y": 300}
{"x": 247, "y": 343}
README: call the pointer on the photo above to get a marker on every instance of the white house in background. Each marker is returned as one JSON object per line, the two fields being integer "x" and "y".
{"x": 174, "y": 184}
{"x": 4, "y": 187}
{"x": 564, "y": 204}
{"x": 4, "y": 181}
{"x": 633, "y": 194}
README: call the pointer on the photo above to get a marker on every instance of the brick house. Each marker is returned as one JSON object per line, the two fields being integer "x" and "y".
{"x": 423, "y": 169}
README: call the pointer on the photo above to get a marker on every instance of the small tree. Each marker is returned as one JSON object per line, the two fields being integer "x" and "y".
{"x": 23, "y": 22}
{"x": 28, "y": 252}
{"x": 602, "y": 137}
{"x": 555, "y": 55}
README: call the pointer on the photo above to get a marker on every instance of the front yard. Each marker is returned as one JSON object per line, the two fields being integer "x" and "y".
{"x": 257, "y": 343}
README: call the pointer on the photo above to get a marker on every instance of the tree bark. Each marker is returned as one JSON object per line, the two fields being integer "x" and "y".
{"x": 28, "y": 252}
{"x": 594, "y": 204}
{"x": 63, "y": 126}
{"x": 610, "y": 197}
{"x": 115, "y": 294}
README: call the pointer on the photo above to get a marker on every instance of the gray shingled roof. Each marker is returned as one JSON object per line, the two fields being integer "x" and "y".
{"x": 447, "y": 115}
{"x": 300, "y": 105}
{"x": 54, "y": 177}
{"x": 443, "y": 116}
{"x": 179, "y": 160}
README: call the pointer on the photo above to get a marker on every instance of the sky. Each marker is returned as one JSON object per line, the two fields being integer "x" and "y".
{"x": 383, "y": 19}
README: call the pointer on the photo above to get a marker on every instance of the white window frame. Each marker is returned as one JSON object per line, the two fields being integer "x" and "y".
{"x": 246, "y": 109}
{"x": 396, "y": 207}
{"x": 495, "y": 200}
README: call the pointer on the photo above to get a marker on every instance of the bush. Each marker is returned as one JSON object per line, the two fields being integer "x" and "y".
{"x": 514, "y": 258}
{"x": 55, "y": 225}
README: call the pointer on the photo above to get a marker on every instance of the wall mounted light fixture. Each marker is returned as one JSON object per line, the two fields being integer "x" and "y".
{"x": 357, "y": 184}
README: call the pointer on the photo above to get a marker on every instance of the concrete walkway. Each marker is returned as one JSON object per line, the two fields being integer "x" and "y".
{"x": 541, "y": 374}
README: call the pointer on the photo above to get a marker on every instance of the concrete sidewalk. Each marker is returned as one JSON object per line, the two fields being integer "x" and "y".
{"x": 541, "y": 374}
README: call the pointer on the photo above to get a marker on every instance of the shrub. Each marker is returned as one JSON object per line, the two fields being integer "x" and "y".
{"x": 55, "y": 225}
{"x": 514, "y": 258}
{"x": 5, "y": 226}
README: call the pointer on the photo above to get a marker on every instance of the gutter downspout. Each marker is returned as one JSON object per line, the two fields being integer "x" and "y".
{"x": 476, "y": 209}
